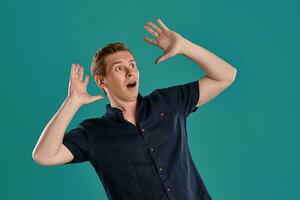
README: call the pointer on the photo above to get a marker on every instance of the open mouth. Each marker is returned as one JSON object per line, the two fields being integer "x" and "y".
{"x": 131, "y": 84}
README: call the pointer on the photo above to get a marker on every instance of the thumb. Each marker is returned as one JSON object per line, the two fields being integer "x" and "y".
{"x": 95, "y": 98}
{"x": 162, "y": 58}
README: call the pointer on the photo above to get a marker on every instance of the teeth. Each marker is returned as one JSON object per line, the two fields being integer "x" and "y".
{"x": 131, "y": 82}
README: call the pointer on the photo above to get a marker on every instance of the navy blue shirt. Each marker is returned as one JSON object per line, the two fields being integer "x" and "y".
{"x": 149, "y": 161}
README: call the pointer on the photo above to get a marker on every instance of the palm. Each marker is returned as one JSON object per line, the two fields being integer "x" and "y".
{"x": 166, "y": 39}
{"x": 78, "y": 87}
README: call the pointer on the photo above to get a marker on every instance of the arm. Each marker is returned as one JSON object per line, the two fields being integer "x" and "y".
{"x": 219, "y": 74}
{"x": 49, "y": 149}
{"x": 50, "y": 141}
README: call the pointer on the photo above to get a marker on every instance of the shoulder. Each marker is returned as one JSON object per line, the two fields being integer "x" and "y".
{"x": 91, "y": 125}
{"x": 91, "y": 121}
{"x": 177, "y": 89}
{"x": 180, "y": 97}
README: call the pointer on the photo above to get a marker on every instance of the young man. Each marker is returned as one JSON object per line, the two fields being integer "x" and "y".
{"x": 139, "y": 147}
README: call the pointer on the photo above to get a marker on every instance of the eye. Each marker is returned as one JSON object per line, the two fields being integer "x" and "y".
{"x": 132, "y": 64}
{"x": 118, "y": 67}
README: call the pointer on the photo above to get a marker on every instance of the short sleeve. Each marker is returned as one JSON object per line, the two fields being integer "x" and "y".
{"x": 76, "y": 141}
{"x": 182, "y": 98}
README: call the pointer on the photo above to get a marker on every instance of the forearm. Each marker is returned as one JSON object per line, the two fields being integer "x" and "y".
{"x": 213, "y": 66}
{"x": 51, "y": 138}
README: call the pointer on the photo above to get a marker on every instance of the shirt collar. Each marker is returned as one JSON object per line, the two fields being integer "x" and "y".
{"x": 117, "y": 112}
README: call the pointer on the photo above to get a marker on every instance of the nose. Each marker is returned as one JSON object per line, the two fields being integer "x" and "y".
{"x": 130, "y": 72}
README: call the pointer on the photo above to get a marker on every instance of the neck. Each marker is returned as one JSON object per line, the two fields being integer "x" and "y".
{"x": 128, "y": 107}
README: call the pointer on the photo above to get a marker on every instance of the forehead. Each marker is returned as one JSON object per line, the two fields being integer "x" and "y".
{"x": 119, "y": 57}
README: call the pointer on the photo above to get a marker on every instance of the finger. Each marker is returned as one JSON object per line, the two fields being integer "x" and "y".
{"x": 152, "y": 25}
{"x": 155, "y": 34}
{"x": 76, "y": 70}
{"x": 72, "y": 71}
{"x": 86, "y": 80}
{"x": 81, "y": 73}
{"x": 164, "y": 27}
{"x": 150, "y": 41}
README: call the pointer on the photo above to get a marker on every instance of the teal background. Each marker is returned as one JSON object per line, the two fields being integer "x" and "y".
{"x": 245, "y": 142}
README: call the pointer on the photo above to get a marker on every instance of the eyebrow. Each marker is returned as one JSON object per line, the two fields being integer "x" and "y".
{"x": 121, "y": 62}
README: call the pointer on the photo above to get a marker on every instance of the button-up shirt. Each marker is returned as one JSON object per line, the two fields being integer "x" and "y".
{"x": 147, "y": 161}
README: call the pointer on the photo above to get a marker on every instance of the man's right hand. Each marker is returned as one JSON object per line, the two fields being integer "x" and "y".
{"x": 78, "y": 87}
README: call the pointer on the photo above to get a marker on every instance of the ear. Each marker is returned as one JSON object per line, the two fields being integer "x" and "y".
{"x": 101, "y": 82}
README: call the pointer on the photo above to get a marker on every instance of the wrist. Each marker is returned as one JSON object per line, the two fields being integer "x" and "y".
{"x": 185, "y": 44}
{"x": 73, "y": 102}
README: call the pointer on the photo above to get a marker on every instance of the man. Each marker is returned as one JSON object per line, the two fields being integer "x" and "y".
{"x": 139, "y": 146}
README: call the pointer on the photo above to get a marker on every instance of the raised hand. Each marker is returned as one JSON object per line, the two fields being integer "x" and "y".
{"x": 168, "y": 40}
{"x": 78, "y": 87}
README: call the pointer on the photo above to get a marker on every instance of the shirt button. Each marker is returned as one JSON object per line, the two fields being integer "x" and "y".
{"x": 151, "y": 149}
{"x": 160, "y": 169}
{"x": 143, "y": 130}
{"x": 168, "y": 189}
{"x": 162, "y": 114}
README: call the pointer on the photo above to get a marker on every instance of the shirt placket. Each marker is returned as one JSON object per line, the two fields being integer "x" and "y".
{"x": 155, "y": 157}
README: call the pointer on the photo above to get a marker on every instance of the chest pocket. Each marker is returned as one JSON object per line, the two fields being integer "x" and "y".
{"x": 165, "y": 123}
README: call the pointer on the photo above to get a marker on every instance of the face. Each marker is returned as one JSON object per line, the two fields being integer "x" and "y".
{"x": 121, "y": 70}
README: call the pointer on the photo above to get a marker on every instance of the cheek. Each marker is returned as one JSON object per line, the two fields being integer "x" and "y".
{"x": 116, "y": 81}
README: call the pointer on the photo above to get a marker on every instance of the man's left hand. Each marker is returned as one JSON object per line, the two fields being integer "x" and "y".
{"x": 168, "y": 40}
